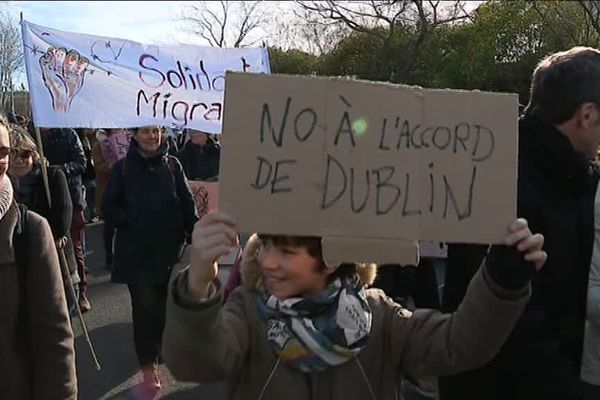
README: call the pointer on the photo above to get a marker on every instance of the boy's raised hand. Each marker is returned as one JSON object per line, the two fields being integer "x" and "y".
{"x": 513, "y": 265}
{"x": 529, "y": 245}
{"x": 213, "y": 237}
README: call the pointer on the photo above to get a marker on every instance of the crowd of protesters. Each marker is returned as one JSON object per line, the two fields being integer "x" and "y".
{"x": 513, "y": 321}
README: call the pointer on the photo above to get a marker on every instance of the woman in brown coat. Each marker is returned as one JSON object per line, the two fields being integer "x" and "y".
{"x": 300, "y": 329}
{"x": 36, "y": 341}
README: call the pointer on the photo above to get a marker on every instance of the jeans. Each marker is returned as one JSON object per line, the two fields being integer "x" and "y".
{"x": 148, "y": 306}
{"x": 77, "y": 236}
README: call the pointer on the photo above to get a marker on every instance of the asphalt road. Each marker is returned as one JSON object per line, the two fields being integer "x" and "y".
{"x": 111, "y": 332}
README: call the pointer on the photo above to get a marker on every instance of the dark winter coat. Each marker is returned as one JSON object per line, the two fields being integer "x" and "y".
{"x": 62, "y": 147}
{"x": 150, "y": 204}
{"x": 200, "y": 163}
{"x": 60, "y": 215}
{"x": 556, "y": 189}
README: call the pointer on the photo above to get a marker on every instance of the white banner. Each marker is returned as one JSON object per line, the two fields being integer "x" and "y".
{"x": 84, "y": 81}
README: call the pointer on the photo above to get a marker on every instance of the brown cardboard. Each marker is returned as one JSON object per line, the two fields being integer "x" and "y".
{"x": 367, "y": 130}
{"x": 337, "y": 250}
{"x": 206, "y": 196}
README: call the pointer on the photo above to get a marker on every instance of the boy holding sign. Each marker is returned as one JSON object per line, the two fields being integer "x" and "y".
{"x": 299, "y": 328}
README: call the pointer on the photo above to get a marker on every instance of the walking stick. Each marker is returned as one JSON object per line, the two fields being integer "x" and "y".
{"x": 38, "y": 138}
{"x": 67, "y": 278}
{"x": 64, "y": 267}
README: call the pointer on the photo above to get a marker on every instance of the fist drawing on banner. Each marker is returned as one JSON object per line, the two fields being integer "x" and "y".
{"x": 63, "y": 74}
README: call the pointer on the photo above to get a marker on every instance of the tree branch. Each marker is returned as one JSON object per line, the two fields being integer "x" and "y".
{"x": 590, "y": 14}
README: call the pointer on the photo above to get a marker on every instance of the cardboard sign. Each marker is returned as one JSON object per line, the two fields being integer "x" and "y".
{"x": 206, "y": 196}
{"x": 341, "y": 158}
{"x": 336, "y": 250}
{"x": 429, "y": 249}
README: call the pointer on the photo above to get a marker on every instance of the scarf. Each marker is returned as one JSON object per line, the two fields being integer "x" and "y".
{"x": 6, "y": 195}
{"x": 314, "y": 333}
{"x": 26, "y": 187}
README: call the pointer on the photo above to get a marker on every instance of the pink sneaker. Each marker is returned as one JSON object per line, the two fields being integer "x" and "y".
{"x": 148, "y": 388}
{"x": 150, "y": 378}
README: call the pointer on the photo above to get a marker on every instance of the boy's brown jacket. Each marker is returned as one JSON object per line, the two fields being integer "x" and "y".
{"x": 204, "y": 341}
{"x": 36, "y": 355}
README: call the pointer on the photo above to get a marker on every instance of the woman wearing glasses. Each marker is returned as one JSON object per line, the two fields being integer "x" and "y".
{"x": 25, "y": 173}
{"x": 37, "y": 359}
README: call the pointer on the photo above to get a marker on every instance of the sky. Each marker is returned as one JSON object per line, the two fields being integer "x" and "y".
{"x": 141, "y": 21}
{"x": 151, "y": 22}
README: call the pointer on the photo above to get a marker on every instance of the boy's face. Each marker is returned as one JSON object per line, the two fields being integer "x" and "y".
{"x": 290, "y": 271}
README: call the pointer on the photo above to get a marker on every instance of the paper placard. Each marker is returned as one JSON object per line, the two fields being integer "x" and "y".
{"x": 84, "y": 81}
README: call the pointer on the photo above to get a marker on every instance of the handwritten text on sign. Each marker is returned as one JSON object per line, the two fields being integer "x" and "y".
{"x": 335, "y": 157}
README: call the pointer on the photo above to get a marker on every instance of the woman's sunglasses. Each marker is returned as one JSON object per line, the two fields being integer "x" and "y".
{"x": 14, "y": 153}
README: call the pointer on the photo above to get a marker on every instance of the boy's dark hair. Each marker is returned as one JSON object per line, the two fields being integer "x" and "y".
{"x": 314, "y": 249}
{"x": 562, "y": 82}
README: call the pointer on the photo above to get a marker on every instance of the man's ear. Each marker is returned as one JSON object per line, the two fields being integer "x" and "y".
{"x": 588, "y": 115}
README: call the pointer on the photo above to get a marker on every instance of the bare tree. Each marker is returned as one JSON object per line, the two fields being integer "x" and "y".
{"x": 362, "y": 16}
{"x": 390, "y": 15}
{"x": 226, "y": 23}
{"x": 299, "y": 29}
{"x": 11, "y": 58}
{"x": 592, "y": 12}
{"x": 569, "y": 23}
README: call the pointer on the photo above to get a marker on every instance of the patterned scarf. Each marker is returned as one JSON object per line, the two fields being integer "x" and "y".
{"x": 6, "y": 195}
{"x": 25, "y": 187}
{"x": 317, "y": 332}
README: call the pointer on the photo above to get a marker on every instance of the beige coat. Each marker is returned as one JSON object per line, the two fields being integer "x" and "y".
{"x": 204, "y": 341}
{"x": 36, "y": 363}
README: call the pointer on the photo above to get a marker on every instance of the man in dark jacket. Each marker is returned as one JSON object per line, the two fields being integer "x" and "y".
{"x": 200, "y": 157}
{"x": 559, "y": 135}
{"x": 63, "y": 148}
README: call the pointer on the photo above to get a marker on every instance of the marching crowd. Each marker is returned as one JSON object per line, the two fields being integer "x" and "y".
{"x": 515, "y": 321}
